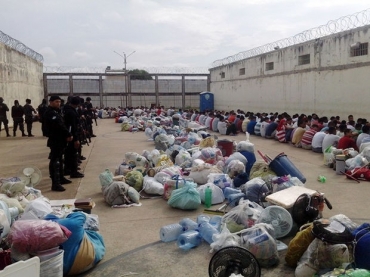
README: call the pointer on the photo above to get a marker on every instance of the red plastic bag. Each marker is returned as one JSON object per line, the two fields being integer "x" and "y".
{"x": 359, "y": 173}
{"x": 31, "y": 236}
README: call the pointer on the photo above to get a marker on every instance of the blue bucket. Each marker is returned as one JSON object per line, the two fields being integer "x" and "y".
{"x": 282, "y": 166}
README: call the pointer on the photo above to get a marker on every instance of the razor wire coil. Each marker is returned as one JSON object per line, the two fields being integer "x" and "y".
{"x": 20, "y": 47}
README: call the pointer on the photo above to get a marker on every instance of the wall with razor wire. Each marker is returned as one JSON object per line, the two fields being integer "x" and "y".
{"x": 327, "y": 75}
{"x": 21, "y": 73}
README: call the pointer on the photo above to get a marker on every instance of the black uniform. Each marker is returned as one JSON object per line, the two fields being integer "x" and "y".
{"x": 28, "y": 114}
{"x": 57, "y": 134}
{"x": 71, "y": 119}
{"x": 17, "y": 115}
{"x": 89, "y": 114}
{"x": 3, "y": 118}
{"x": 41, "y": 110}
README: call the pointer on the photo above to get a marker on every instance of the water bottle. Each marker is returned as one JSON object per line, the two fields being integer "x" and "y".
{"x": 206, "y": 230}
{"x": 228, "y": 191}
{"x": 208, "y": 197}
{"x": 170, "y": 232}
{"x": 189, "y": 239}
{"x": 215, "y": 221}
{"x": 188, "y": 224}
{"x": 202, "y": 218}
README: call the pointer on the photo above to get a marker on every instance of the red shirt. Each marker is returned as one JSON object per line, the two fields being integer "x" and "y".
{"x": 347, "y": 142}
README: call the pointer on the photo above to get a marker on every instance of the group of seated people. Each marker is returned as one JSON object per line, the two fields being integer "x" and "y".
{"x": 309, "y": 132}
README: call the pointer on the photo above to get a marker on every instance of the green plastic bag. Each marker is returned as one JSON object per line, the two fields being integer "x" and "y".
{"x": 135, "y": 179}
{"x": 185, "y": 198}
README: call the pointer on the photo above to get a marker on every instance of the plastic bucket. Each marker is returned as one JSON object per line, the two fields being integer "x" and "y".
{"x": 282, "y": 166}
{"x": 53, "y": 265}
{"x": 226, "y": 146}
{"x": 340, "y": 164}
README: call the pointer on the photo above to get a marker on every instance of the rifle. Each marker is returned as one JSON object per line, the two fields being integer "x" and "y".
{"x": 84, "y": 134}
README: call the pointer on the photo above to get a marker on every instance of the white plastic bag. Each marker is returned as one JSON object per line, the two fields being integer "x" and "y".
{"x": 217, "y": 194}
{"x": 151, "y": 186}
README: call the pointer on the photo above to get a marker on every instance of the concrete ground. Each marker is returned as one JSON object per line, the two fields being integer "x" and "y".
{"x": 132, "y": 234}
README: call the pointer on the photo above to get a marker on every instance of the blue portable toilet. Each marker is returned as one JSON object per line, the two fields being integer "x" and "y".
{"x": 206, "y": 101}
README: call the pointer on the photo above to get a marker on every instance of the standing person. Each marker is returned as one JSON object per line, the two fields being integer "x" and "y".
{"x": 89, "y": 116}
{"x": 3, "y": 118}
{"x": 58, "y": 137}
{"x": 28, "y": 116}
{"x": 41, "y": 110}
{"x": 17, "y": 115}
{"x": 71, "y": 119}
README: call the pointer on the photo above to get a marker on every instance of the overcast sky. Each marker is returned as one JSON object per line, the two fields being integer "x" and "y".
{"x": 163, "y": 33}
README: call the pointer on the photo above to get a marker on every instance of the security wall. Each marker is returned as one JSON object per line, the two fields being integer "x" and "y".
{"x": 112, "y": 90}
{"x": 20, "y": 78}
{"x": 327, "y": 76}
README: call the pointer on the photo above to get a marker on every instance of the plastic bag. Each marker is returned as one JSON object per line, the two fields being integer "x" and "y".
{"x": 224, "y": 239}
{"x": 185, "y": 198}
{"x": 254, "y": 189}
{"x": 39, "y": 207}
{"x": 236, "y": 156}
{"x": 106, "y": 178}
{"x": 234, "y": 168}
{"x": 31, "y": 236}
{"x": 242, "y": 216}
{"x": 321, "y": 255}
{"x": 151, "y": 186}
{"x": 217, "y": 194}
{"x": 183, "y": 159}
{"x": 245, "y": 146}
{"x": 135, "y": 179}
{"x": 221, "y": 180}
{"x": 261, "y": 244}
{"x": 329, "y": 156}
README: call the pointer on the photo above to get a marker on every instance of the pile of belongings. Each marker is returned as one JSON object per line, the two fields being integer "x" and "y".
{"x": 31, "y": 227}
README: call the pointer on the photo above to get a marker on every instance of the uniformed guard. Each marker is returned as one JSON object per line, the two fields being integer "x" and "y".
{"x": 29, "y": 111}
{"x": 3, "y": 118}
{"x": 17, "y": 115}
{"x": 71, "y": 119}
{"x": 58, "y": 137}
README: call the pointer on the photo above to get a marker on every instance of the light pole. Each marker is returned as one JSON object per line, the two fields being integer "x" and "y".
{"x": 124, "y": 57}
{"x": 125, "y": 63}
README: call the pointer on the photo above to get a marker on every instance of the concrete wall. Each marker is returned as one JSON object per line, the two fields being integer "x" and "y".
{"x": 20, "y": 78}
{"x": 333, "y": 83}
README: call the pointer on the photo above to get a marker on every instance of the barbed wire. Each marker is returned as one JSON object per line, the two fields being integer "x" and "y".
{"x": 152, "y": 70}
{"x": 341, "y": 24}
{"x": 19, "y": 46}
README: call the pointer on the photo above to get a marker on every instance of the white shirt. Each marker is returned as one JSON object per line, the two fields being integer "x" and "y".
{"x": 222, "y": 127}
{"x": 263, "y": 128}
{"x": 318, "y": 139}
{"x": 329, "y": 140}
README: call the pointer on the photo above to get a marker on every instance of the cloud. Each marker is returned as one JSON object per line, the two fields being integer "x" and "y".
{"x": 81, "y": 56}
{"x": 48, "y": 53}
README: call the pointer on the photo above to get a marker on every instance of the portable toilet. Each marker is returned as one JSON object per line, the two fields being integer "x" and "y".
{"x": 206, "y": 101}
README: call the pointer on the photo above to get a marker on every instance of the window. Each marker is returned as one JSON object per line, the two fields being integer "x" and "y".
{"x": 359, "y": 50}
{"x": 222, "y": 74}
{"x": 304, "y": 59}
{"x": 242, "y": 71}
{"x": 269, "y": 66}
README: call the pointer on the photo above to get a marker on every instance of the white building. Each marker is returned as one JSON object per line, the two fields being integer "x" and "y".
{"x": 328, "y": 76}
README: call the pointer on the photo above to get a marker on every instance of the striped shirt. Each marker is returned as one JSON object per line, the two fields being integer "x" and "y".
{"x": 308, "y": 136}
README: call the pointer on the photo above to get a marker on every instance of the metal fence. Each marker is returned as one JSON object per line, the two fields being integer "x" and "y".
{"x": 113, "y": 90}
{"x": 19, "y": 46}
